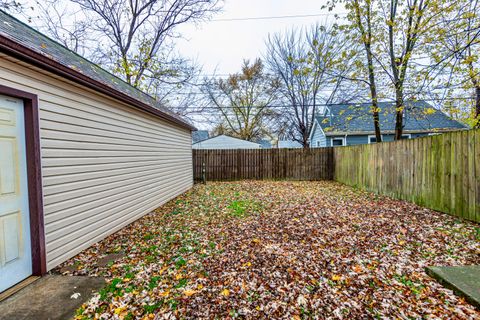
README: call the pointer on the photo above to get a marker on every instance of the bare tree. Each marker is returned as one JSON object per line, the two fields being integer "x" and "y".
{"x": 59, "y": 21}
{"x": 137, "y": 30}
{"x": 134, "y": 40}
{"x": 244, "y": 101}
{"x": 11, "y": 5}
{"x": 179, "y": 87}
{"x": 303, "y": 61}
{"x": 20, "y": 8}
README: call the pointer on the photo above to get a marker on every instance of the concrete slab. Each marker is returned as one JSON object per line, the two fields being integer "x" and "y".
{"x": 463, "y": 280}
{"x": 50, "y": 298}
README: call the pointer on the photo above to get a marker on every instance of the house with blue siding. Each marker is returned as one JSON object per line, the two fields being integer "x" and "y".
{"x": 351, "y": 124}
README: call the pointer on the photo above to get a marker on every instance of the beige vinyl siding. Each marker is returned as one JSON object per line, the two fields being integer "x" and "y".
{"x": 104, "y": 164}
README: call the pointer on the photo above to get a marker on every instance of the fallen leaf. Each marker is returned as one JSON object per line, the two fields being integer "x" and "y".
{"x": 225, "y": 292}
{"x": 336, "y": 277}
{"x": 189, "y": 292}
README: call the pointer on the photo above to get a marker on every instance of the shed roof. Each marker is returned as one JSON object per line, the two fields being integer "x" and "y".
{"x": 289, "y": 144}
{"x": 225, "y": 142}
{"x": 357, "y": 118}
{"x": 27, "y": 44}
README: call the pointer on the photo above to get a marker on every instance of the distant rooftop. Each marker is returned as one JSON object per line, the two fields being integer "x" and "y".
{"x": 289, "y": 144}
{"x": 266, "y": 144}
{"x": 199, "y": 135}
{"x": 419, "y": 116}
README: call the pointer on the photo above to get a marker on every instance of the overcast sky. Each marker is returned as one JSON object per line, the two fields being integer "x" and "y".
{"x": 221, "y": 45}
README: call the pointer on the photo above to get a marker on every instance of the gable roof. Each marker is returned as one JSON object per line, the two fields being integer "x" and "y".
{"x": 357, "y": 118}
{"x": 226, "y": 142}
{"x": 25, "y": 43}
{"x": 199, "y": 135}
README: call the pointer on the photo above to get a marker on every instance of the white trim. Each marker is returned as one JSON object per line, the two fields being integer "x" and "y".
{"x": 373, "y": 136}
{"x": 407, "y": 134}
{"x": 344, "y": 141}
{"x": 328, "y": 112}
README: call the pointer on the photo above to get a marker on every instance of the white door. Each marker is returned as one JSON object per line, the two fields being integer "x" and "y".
{"x": 15, "y": 254}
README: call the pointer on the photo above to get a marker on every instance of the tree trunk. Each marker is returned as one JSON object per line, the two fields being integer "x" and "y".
{"x": 477, "y": 107}
{"x": 371, "y": 78}
{"x": 373, "y": 93}
{"x": 399, "y": 108}
{"x": 305, "y": 143}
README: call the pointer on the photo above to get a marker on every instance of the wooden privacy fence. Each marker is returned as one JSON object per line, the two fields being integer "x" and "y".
{"x": 441, "y": 172}
{"x": 275, "y": 164}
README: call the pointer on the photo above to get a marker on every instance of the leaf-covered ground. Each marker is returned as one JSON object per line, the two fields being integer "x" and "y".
{"x": 291, "y": 250}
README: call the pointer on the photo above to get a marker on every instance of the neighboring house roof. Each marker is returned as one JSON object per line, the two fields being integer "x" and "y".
{"x": 25, "y": 43}
{"x": 199, "y": 135}
{"x": 225, "y": 142}
{"x": 289, "y": 144}
{"x": 266, "y": 144}
{"x": 357, "y": 118}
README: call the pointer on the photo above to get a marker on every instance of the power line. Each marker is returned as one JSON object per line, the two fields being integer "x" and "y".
{"x": 284, "y": 106}
{"x": 277, "y": 17}
{"x": 325, "y": 90}
{"x": 225, "y": 76}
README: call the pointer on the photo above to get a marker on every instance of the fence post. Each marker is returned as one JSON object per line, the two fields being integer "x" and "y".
{"x": 204, "y": 176}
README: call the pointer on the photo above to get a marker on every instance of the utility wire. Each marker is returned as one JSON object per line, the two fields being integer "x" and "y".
{"x": 327, "y": 90}
{"x": 283, "y": 106}
{"x": 225, "y": 76}
{"x": 277, "y": 17}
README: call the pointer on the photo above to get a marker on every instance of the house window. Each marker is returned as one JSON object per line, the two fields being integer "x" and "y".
{"x": 336, "y": 142}
{"x": 373, "y": 139}
{"x": 406, "y": 136}
{"x": 318, "y": 143}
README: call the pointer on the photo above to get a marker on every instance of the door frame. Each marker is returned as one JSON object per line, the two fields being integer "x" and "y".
{"x": 34, "y": 176}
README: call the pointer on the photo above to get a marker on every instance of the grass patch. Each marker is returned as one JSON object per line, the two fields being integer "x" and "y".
{"x": 111, "y": 289}
{"x": 414, "y": 287}
{"x": 242, "y": 208}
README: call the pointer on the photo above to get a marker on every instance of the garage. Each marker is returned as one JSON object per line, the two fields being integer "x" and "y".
{"x": 82, "y": 153}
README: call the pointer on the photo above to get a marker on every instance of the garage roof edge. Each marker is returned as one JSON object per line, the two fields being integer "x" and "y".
{"x": 26, "y": 54}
